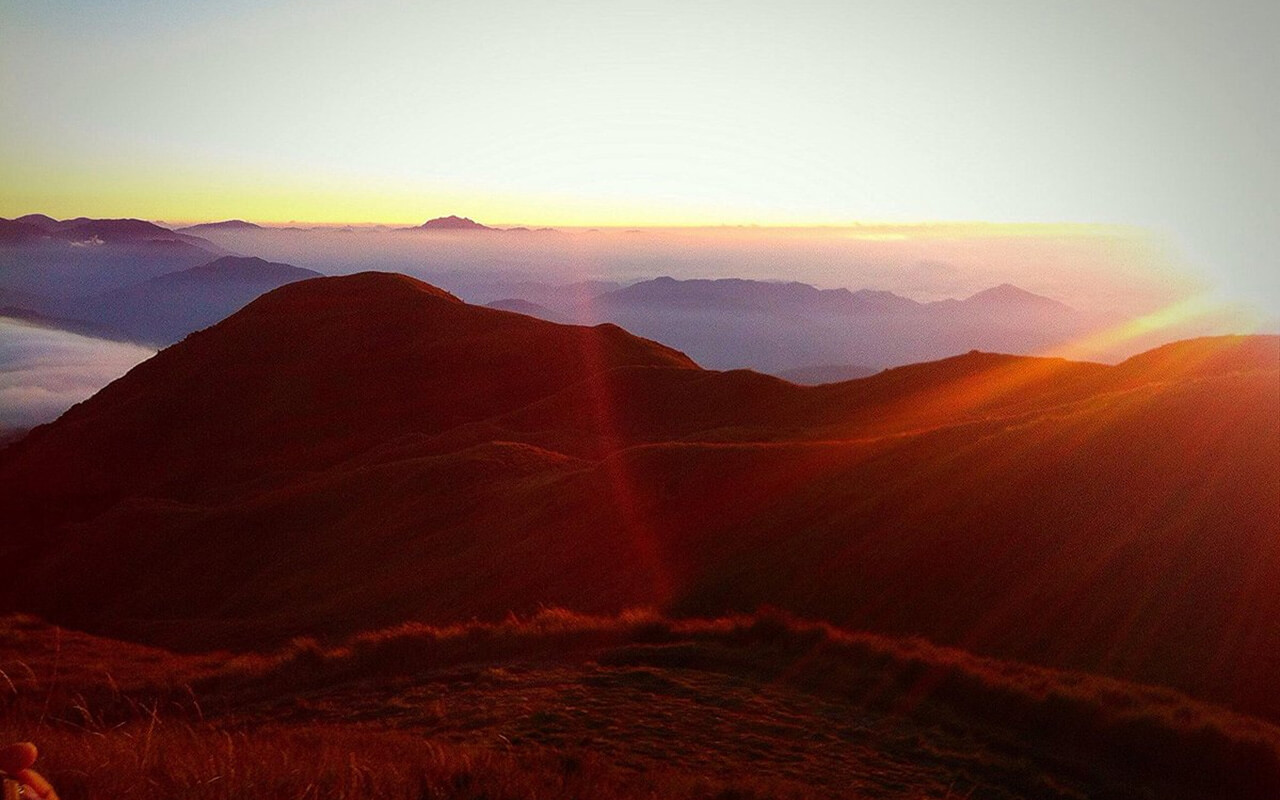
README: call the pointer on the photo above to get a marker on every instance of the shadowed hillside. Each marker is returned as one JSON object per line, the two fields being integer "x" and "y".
{"x": 359, "y": 451}
{"x": 567, "y": 705}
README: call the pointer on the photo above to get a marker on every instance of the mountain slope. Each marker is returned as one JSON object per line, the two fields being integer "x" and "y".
{"x": 347, "y": 452}
{"x": 307, "y": 374}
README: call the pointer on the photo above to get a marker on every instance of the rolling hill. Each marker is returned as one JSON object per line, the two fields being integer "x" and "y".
{"x": 358, "y": 451}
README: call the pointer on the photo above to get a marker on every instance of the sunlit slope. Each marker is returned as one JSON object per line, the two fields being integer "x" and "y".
{"x": 358, "y": 451}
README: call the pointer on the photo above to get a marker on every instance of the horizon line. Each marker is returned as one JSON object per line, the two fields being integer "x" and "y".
{"x": 1074, "y": 225}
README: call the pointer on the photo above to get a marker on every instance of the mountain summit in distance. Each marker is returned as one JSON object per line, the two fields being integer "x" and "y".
{"x": 225, "y": 225}
{"x": 1008, "y": 295}
{"x": 452, "y": 223}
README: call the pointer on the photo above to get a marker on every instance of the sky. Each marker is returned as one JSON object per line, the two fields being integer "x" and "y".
{"x": 1156, "y": 114}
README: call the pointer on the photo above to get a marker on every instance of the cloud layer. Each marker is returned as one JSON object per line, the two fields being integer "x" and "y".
{"x": 45, "y": 371}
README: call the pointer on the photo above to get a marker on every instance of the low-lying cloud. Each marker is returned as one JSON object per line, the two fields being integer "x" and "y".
{"x": 44, "y": 371}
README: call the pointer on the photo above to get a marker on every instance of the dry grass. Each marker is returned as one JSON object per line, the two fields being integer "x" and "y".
{"x": 1079, "y": 716}
{"x": 174, "y": 759}
{"x": 122, "y": 721}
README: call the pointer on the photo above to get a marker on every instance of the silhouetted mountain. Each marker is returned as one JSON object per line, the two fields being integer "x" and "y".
{"x": 732, "y": 322}
{"x": 70, "y": 259}
{"x": 452, "y": 223}
{"x": 348, "y": 452}
{"x": 1009, "y": 295}
{"x": 1004, "y": 299}
{"x": 127, "y": 231}
{"x": 17, "y": 232}
{"x": 103, "y": 231}
{"x": 737, "y": 293}
{"x": 41, "y": 221}
{"x": 225, "y": 225}
{"x": 165, "y": 309}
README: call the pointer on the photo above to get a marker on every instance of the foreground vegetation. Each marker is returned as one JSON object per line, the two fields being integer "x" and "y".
{"x": 118, "y": 720}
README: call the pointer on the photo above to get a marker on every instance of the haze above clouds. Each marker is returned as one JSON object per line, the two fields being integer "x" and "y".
{"x": 1153, "y": 114}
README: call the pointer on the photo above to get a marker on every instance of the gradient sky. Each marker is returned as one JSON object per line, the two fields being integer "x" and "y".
{"x": 1159, "y": 114}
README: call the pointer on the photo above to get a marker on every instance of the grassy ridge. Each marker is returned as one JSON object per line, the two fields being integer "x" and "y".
{"x": 1081, "y": 716}
{"x": 112, "y": 717}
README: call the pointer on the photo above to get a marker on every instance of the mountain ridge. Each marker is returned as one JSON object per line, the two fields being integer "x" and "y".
{"x": 227, "y": 224}
{"x": 166, "y": 308}
{"x": 452, "y": 223}
{"x": 365, "y": 450}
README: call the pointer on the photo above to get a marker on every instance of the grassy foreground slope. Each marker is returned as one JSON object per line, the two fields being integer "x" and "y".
{"x": 565, "y": 705}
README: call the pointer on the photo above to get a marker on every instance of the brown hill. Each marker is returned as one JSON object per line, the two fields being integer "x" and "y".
{"x": 348, "y": 452}
{"x": 299, "y": 379}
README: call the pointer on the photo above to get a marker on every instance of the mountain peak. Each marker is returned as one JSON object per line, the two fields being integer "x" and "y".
{"x": 453, "y": 223}
{"x": 359, "y": 288}
{"x": 41, "y": 221}
{"x": 227, "y": 225}
{"x": 1007, "y": 294}
{"x": 314, "y": 372}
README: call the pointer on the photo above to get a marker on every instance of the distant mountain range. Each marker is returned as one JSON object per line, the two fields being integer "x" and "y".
{"x": 772, "y": 297}
{"x": 52, "y": 261}
{"x": 162, "y": 310}
{"x": 355, "y": 451}
{"x": 225, "y": 225}
{"x": 777, "y": 327}
{"x": 748, "y": 295}
{"x": 127, "y": 278}
{"x": 85, "y": 231}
